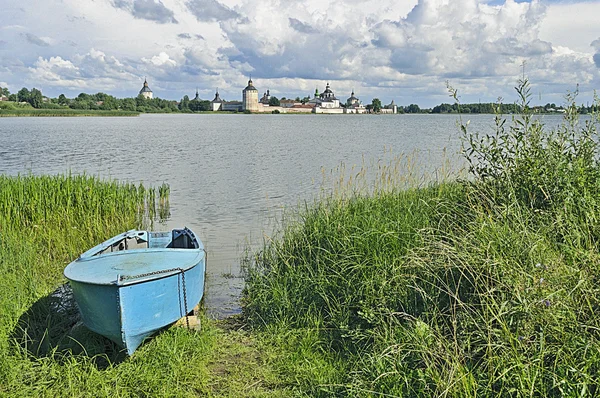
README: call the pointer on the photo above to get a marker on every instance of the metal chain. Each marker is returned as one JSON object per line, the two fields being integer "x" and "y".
{"x": 187, "y": 320}
{"x": 164, "y": 271}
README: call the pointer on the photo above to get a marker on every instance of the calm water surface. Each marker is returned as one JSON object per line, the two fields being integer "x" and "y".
{"x": 230, "y": 175}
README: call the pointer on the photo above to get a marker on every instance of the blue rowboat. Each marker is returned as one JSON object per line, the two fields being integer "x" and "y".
{"x": 138, "y": 282}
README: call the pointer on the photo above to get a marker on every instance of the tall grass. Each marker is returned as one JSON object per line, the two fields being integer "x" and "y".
{"x": 16, "y": 112}
{"x": 46, "y": 222}
{"x": 479, "y": 287}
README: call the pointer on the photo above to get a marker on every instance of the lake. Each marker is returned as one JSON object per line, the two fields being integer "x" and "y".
{"x": 231, "y": 176}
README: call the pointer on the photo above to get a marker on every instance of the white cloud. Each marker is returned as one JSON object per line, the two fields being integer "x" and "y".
{"x": 161, "y": 59}
{"x": 390, "y": 49}
{"x": 572, "y": 25}
{"x": 57, "y": 71}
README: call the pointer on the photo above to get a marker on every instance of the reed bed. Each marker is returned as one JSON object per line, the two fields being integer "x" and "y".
{"x": 46, "y": 222}
{"x": 62, "y": 112}
{"x": 485, "y": 286}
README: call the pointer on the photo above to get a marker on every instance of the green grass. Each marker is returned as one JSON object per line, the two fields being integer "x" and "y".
{"x": 62, "y": 112}
{"x": 479, "y": 287}
{"x": 46, "y": 222}
{"x": 388, "y": 285}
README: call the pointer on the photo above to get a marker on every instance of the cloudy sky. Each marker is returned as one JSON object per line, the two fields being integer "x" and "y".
{"x": 391, "y": 49}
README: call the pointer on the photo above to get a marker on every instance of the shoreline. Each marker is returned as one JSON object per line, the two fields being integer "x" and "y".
{"x": 72, "y": 113}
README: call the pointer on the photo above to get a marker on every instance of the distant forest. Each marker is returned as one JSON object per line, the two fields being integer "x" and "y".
{"x": 102, "y": 101}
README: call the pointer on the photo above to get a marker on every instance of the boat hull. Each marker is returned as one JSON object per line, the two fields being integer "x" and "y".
{"x": 129, "y": 295}
{"x": 127, "y": 314}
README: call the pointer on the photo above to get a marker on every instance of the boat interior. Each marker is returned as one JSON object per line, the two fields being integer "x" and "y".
{"x": 175, "y": 239}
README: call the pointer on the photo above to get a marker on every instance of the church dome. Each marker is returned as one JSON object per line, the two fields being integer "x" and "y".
{"x": 145, "y": 89}
{"x": 328, "y": 95}
{"x": 217, "y": 98}
{"x": 352, "y": 98}
{"x": 250, "y": 86}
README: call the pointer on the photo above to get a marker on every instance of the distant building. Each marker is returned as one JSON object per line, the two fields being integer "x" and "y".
{"x": 217, "y": 103}
{"x": 314, "y": 100}
{"x": 289, "y": 103}
{"x": 327, "y": 99}
{"x": 299, "y": 108}
{"x": 353, "y": 105}
{"x": 327, "y": 102}
{"x": 352, "y": 100}
{"x": 390, "y": 108}
{"x": 3, "y": 98}
{"x": 145, "y": 91}
{"x": 250, "y": 98}
{"x": 233, "y": 106}
{"x": 265, "y": 98}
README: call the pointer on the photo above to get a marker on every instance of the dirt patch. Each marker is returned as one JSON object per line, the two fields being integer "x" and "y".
{"x": 241, "y": 366}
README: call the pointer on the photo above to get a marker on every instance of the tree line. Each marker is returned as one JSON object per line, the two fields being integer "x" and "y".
{"x": 105, "y": 102}
{"x": 102, "y": 101}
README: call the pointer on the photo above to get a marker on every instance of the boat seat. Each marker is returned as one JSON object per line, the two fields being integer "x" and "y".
{"x": 183, "y": 239}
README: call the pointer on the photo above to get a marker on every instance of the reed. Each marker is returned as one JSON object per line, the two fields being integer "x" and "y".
{"x": 46, "y": 222}
{"x": 485, "y": 286}
{"x": 62, "y": 112}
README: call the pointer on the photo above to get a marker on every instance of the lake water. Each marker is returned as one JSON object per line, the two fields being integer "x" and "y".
{"x": 230, "y": 175}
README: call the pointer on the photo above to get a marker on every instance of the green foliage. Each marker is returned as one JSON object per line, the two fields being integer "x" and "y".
{"x": 100, "y": 102}
{"x": 45, "y": 351}
{"x": 412, "y": 108}
{"x": 475, "y": 108}
{"x": 274, "y": 101}
{"x": 24, "y": 111}
{"x": 63, "y": 100}
{"x": 184, "y": 104}
{"x": 376, "y": 105}
{"x": 23, "y": 95}
{"x": 542, "y": 170}
{"x": 484, "y": 287}
{"x": 35, "y": 98}
{"x": 199, "y": 105}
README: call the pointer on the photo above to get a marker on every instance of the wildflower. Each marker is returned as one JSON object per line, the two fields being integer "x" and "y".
{"x": 546, "y": 302}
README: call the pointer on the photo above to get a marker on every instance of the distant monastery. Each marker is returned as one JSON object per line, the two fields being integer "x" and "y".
{"x": 326, "y": 102}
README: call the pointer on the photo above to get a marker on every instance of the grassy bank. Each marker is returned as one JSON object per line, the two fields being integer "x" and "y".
{"x": 61, "y": 113}
{"x": 46, "y": 222}
{"x": 478, "y": 287}
{"x": 388, "y": 286}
